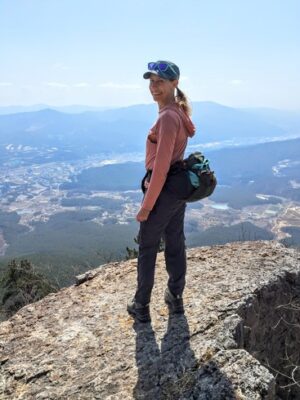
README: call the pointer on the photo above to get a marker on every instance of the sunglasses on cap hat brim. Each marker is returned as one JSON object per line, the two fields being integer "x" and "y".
{"x": 162, "y": 69}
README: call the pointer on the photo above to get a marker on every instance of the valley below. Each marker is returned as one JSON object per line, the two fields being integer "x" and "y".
{"x": 70, "y": 183}
{"x": 35, "y": 195}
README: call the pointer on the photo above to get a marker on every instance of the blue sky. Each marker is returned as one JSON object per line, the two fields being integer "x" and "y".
{"x": 94, "y": 52}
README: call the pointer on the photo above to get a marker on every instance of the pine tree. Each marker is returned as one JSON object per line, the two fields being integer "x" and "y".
{"x": 21, "y": 284}
{"x": 133, "y": 253}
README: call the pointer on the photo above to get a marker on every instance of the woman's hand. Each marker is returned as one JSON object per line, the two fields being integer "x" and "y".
{"x": 142, "y": 215}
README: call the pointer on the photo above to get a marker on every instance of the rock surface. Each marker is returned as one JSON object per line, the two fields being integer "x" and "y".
{"x": 80, "y": 343}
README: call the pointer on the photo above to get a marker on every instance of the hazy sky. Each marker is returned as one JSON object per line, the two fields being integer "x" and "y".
{"x": 94, "y": 52}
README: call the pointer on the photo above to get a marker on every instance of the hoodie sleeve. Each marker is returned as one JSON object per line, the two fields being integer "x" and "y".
{"x": 168, "y": 127}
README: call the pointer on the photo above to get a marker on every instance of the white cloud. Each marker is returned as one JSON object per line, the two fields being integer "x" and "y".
{"x": 56, "y": 84}
{"x": 236, "y": 82}
{"x": 6, "y": 84}
{"x": 113, "y": 85}
{"x": 184, "y": 78}
{"x": 81, "y": 85}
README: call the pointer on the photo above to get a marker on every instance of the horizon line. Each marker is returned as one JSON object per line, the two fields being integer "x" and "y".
{"x": 104, "y": 108}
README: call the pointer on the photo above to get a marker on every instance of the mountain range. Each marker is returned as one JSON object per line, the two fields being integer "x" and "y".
{"x": 124, "y": 129}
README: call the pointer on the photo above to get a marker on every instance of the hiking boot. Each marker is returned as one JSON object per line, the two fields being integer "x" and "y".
{"x": 174, "y": 303}
{"x": 138, "y": 311}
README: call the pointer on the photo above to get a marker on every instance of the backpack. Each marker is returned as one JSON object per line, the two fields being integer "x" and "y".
{"x": 191, "y": 179}
{"x": 200, "y": 176}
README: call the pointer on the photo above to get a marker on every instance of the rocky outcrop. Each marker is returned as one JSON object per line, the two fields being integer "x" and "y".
{"x": 80, "y": 343}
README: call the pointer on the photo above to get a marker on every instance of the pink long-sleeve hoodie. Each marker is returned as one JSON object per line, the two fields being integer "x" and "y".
{"x": 166, "y": 143}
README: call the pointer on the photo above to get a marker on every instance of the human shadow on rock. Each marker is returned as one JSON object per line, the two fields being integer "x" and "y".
{"x": 147, "y": 361}
{"x": 174, "y": 373}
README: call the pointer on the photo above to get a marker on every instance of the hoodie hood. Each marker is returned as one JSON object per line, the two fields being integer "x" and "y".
{"x": 186, "y": 120}
{"x": 188, "y": 123}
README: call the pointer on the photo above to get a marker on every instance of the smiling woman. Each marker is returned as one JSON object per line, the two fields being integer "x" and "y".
{"x": 162, "y": 90}
{"x": 161, "y": 213}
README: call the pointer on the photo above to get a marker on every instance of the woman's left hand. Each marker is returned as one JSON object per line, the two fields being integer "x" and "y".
{"x": 142, "y": 215}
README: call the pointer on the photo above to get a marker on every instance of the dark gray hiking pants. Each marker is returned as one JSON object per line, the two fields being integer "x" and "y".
{"x": 165, "y": 220}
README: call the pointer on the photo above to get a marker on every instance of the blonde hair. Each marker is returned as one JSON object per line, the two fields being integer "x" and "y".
{"x": 183, "y": 102}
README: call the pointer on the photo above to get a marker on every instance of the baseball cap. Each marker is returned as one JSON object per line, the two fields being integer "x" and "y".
{"x": 164, "y": 69}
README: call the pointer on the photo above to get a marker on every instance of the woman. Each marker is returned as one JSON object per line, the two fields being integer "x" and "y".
{"x": 162, "y": 213}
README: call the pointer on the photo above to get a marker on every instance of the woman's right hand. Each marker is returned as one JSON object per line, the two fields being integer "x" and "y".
{"x": 142, "y": 215}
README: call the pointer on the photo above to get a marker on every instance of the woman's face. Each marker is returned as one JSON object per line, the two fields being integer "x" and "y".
{"x": 162, "y": 90}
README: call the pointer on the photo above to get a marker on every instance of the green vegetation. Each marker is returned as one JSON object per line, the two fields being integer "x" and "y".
{"x": 240, "y": 196}
{"x": 294, "y": 239}
{"x": 133, "y": 252}
{"x": 70, "y": 243}
{"x": 249, "y": 170}
{"x": 72, "y": 233}
{"x": 21, "y": 284}
{"x": 239, "y": 165}
{"x": 124, "y": 176}
{"x": 225, "y": 234}
{"x": 9, "y": 224}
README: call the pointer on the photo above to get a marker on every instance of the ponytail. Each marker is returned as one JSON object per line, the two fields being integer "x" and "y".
{"x": 183, "y": 102}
